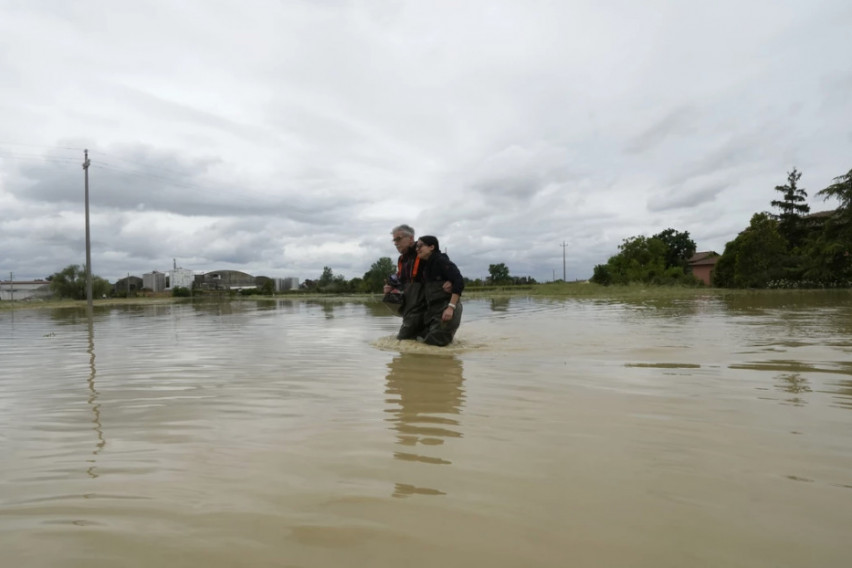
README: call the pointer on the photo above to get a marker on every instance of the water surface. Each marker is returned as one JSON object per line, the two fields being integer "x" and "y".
{"x": 703, "y": 432}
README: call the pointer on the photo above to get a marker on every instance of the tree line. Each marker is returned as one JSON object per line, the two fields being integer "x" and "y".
{"x": 374, "y": 279}
{"x": 791, "y": 248}
{"x": 70, "y": 282}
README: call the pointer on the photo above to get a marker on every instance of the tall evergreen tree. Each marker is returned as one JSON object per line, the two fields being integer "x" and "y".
{"x": 793, "y": 206}
{"x": 838, "y": 228}
{"x": 841, "y": 189}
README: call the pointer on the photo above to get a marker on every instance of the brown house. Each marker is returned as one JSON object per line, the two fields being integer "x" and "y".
{"x": 702, "y": 265}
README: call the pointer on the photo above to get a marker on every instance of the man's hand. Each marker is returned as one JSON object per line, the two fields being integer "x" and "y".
{"x": 387, "y": 288}
{"x": 448, "y": 288}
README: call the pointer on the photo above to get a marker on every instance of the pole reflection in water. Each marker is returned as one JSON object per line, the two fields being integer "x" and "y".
{"x": 426, "y": 394}
{"x": 93, "y": 398}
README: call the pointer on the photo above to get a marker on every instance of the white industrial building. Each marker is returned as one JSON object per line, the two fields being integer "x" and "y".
{"x": 24, "y": 289}
{"x": 180, "y": 278}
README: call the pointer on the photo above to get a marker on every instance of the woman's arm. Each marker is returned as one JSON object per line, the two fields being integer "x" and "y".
{"x": 452, "y": 274}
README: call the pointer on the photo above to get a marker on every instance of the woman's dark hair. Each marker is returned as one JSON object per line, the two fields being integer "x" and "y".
{"x": 431, "y": 241}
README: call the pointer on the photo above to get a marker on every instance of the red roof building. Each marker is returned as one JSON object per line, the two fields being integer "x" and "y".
{"x": 702, "y": 265}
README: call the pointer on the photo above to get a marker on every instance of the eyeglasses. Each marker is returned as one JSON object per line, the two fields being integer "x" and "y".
{"x": 419, "y": 245}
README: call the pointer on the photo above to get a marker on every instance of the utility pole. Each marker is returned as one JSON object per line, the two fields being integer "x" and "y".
{"x": 11, "y": 287}
{"x": 564, "y": 244}
{"x": 88, "y": 241}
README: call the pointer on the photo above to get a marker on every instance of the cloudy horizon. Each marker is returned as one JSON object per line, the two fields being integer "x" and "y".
{"x": 279, "y": 137}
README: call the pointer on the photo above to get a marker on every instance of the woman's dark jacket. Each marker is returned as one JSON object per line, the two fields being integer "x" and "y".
{"x": 433, "y": 272}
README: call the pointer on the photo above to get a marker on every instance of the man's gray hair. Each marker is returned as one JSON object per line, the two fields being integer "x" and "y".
{"x": 405, "y": 229}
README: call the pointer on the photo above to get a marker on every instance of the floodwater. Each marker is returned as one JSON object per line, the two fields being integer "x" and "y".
{"x": 703, "y": 432}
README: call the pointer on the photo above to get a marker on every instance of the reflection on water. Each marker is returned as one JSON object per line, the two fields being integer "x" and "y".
{"x": 93, "y": 399}
{"x": 795, "y": 384}
{"x": 426, "y": 394}
{"x": 785, "y": 299}
{"x": 841, "y": 391}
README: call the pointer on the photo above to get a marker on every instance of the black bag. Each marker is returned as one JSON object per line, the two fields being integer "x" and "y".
{"x": 394, "y": 301}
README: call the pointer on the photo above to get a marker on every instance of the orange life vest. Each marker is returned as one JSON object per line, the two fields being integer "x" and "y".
{"x": 413, "y": 269}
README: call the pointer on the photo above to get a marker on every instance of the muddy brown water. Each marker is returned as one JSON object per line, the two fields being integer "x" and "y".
{"x": 702, "y": 432}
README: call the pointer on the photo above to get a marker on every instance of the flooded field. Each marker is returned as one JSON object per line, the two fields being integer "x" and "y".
{"x": 708, "y": 431}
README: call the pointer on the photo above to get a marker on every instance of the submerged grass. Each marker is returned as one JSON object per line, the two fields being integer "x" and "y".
{"x": 595, "y": 291}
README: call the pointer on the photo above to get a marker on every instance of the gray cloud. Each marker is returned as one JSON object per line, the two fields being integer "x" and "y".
{"x": 292, "y": 136}
{"x": 680, "y": 121}
{"x": 681, "y": 197}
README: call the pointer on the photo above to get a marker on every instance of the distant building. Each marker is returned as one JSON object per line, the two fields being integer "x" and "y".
{"x": 179, "y": 278}
{"x": 24, "y": 290}
{"x": 702, "y": 265}
{"x": 128, "y": 286}
{"x": 283, "y": 284}
{"x": 226, "y": 280}
{"x": 154, "y": 281}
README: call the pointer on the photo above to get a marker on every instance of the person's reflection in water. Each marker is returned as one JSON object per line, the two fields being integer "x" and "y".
{"x": 425, "y": 396}
{"x": 795, "y": 384}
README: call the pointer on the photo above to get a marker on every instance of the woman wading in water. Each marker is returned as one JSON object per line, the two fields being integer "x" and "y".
{"x": 443, "y": 309}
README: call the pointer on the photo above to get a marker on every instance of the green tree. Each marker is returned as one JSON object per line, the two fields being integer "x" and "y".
{"x": 70, "y": 282}
{"x": 680, "y": 247}
{"x": 641, "y": 259}
{"x": 340, "y": 284}
{"x": 326, "y": 278}
{"x": 499, "y": 273}
{"x": 601, "y": 275}
{"x": 840, "y": 189}
{"x": 374, "y": 279}
{"x": 332, "y": 284}
{"x": 661, "y": 259}
{"x": 267, "y": 288}
{"x": 827, "y": 253}
{"x": 181, "y": 292}
{"x": 793, "y": 206}
{"x": 840, "y": 226}
{"x": 827, "y": 261}
{"x": 755, "y": 258}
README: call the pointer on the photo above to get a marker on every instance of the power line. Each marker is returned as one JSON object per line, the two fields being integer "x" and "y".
{"x": 150, "y": 176}
{"x": 137, "y": 170}
{"x": 158, "y": 166}
{"x": 33, "y": 158}
{"x": 37, "y": 157}
{"x": 14, "y": 155}
{"x": 25, "y": 145}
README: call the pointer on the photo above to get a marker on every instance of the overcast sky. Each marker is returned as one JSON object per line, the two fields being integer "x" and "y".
{"x": 278, "y": 137}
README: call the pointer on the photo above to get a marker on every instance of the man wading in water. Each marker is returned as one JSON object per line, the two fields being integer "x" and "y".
{"x": 413, "y": 301}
